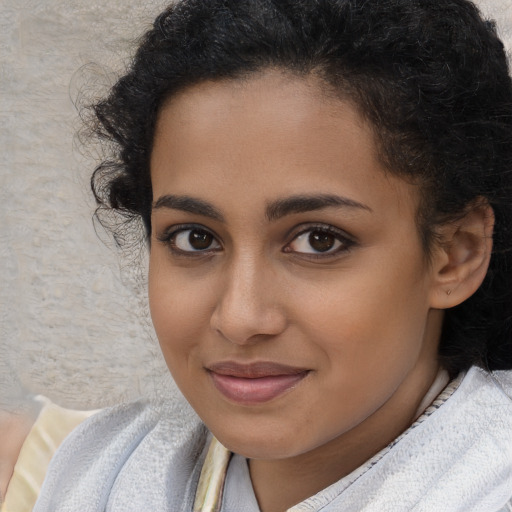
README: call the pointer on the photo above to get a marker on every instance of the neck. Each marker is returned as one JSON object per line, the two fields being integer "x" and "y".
{"x": 280, "y": 484}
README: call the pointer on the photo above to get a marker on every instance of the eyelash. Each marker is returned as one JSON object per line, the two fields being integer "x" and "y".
{"x": 169, "y": 238}
{"x": 345, "y": 241}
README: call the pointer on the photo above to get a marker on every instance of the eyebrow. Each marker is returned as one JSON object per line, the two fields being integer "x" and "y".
{"x": 307, "y": 203}
{"x": 190, "y": 205}
{"x": 274, "y": 210}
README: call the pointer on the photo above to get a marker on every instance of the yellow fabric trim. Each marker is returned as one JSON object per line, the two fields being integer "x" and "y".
{"x": 49, "y": 430}
{"x": 211, "y": 482}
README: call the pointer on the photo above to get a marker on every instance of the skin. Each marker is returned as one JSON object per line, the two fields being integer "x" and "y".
{"x": 363, "y": 319}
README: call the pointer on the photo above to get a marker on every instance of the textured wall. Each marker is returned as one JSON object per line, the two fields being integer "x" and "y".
{"x": 69, "y": 315}
{"x": 72, "y": 316}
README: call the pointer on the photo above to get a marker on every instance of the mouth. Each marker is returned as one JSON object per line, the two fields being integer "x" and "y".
{"x": 255, "y": 383}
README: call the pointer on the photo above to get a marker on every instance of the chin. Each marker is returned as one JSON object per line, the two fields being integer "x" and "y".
{"x": 261, "y": 444}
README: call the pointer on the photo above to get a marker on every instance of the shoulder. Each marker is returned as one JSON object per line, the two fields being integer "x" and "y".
{"x": 465, "y": 445}
{"x": 456, "y": 456}
{"x": 478, "y": 397}
{"x": 487, "y": 396}
{"x": 502, "y": 379}
{"x": 109, "y": 455}
{"x": 471, "y": 444}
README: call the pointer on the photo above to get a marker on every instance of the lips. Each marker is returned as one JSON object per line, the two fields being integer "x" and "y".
{"x": 254, "y": 383}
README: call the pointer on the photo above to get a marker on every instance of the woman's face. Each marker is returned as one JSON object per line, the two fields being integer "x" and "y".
{"x": 287, "y": 284}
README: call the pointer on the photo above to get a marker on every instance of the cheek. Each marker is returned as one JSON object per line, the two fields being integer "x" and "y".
{"x": 369, "y": 342}
{"x": 369, "y": 320}
{"x": 179, "y": 310}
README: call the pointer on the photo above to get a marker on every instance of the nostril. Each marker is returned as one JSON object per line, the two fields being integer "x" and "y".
{"x": 248, "y": 325}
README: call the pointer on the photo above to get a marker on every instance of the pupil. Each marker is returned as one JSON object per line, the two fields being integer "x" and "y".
{"x": 321, "y": 242}
{"x": 200, "y": 240}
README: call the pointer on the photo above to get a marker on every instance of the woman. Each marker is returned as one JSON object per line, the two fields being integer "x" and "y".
{"x": 325, "y": 187}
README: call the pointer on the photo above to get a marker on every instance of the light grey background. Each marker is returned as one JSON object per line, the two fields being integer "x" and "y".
{"x": 73, "y": 315}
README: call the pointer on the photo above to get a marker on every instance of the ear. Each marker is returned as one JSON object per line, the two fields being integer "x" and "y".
{"x": 461, "y": 260}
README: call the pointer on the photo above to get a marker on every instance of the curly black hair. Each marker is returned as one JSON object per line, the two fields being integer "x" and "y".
{"x": 431, "y": 76}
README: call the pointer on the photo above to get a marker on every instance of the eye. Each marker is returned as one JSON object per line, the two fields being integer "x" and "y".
{"x": 191, "y": 240}
{"x": 318, "y": 241}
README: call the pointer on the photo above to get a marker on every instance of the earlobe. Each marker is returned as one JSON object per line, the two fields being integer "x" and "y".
{"x": 462, "y": 258}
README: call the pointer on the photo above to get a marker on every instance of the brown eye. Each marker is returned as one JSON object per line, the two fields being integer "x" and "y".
{"x": 194, "y": 240}
{"x": 320, "y": 241}
{"x": 200, "y": 240}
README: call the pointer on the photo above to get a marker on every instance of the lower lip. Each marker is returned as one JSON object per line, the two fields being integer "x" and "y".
{"x": 255, "y": 391}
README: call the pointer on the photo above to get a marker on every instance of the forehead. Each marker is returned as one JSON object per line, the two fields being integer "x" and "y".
{"x": 273, "y": 133}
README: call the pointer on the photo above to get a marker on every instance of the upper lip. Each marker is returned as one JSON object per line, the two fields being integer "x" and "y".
{"x": 253, "y": 370}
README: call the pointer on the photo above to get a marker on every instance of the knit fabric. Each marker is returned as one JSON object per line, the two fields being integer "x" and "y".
{"x": 456, "y": 457}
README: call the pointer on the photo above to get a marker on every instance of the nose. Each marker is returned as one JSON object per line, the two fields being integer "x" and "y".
{"x": 248, "y": 307}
